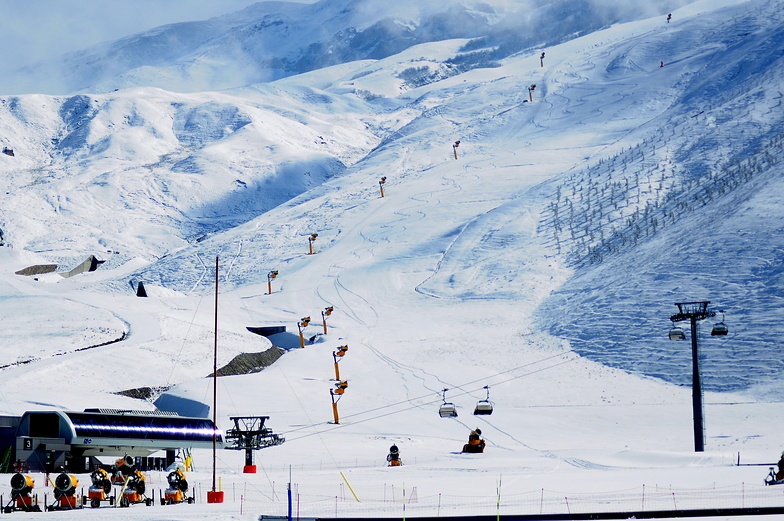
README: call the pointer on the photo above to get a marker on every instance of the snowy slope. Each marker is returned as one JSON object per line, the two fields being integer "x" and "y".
{"x": 543, "y": 262}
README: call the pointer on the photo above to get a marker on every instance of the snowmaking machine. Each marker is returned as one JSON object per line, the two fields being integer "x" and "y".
{"x": 393, "y": 458}
{"x": 133, "y": 490}
{"x": 65, "y": 497}
{"x": 475, "y": 443}
{"x": 100, "y": 489}
{"x": 773, "y": 478}
{"x": 21, "y": 498}
{"x": 121, "y": 469}
{"x": 178, "y": 486}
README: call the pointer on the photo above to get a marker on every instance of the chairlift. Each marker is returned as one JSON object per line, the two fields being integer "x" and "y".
{"x": 447, "y": 409}
{"x": 676, "y": 333}
{"x": 720, "y": 328}
{"x": 484, "y": 406}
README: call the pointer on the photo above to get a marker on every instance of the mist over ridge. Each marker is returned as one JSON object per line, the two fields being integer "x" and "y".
{"x": 272, "y": 40}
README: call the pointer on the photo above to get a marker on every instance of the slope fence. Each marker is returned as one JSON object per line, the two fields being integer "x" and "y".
{"x": 641, "y": 502}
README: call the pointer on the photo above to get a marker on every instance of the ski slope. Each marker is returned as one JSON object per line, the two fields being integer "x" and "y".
{"x": 543, "y": 263}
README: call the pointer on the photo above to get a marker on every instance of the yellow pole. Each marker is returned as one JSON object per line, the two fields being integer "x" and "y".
{"x": 404, "y": 501}
{"x": 530, "y": 96}
{"x": 454, "y": 149}
{"x": 269, "y": 286}
{"x": 120, "y": 495}
{"x": 337, "y": 372}
{"x": 301, "y": 339}
{"x": 350, "y": 487}
{"x": 310, "y": 247}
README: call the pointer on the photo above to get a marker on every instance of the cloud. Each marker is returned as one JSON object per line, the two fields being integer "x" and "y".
{"x": 40, "y": 29}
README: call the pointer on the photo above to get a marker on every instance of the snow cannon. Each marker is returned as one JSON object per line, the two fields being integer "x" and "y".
{"x": 65, "y": 484}
{"x": 133, "y": 491}
{"x": 126, "y": 462}
{"x": 123, "y": 468}
{"x": 394, "y": 457}
{"x": 774, "y": 478}
{"x": 21, "y": 484}
{"x": 178, "y": 485}
{"x": 65, "y": 497}
{"x": 475, "y": 443}
{"x": 100, "y": 489}
{"x": 21, "y": 487}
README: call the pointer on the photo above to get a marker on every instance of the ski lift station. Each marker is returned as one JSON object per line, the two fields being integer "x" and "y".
{"x": 49, "y": 440}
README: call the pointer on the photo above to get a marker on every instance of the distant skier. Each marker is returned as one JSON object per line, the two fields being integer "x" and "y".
{"x": 780, "y": 473}
{"x": 661, "y": 65}
{"x": 669, "y": 17}
{"x": 394, "y": 457}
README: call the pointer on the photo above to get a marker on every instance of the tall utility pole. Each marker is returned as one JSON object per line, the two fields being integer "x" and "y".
{"x": 694, "y": 311}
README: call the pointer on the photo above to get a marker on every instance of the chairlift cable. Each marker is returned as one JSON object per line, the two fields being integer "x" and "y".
{"x": 409, "y": 400}
{"x": 190, "y": 324}
{"x": 417, "y": 406}
{"x": 312, "y": 424}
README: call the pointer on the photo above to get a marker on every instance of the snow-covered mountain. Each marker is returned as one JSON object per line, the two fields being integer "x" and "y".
{"x": 637, "y": 164}
{"x": 271, "y": 40}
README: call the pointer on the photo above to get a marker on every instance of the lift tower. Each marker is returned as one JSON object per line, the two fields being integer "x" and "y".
{"x": 695, "y": 311}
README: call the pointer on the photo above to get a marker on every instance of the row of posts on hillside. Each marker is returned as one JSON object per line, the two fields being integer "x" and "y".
{"x": 341, "y": 385}
{"x": 305, "y": 322}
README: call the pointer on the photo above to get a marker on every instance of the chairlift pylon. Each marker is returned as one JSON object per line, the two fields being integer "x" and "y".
{"x": 447, "y": 409}
{"x": 484, "y": 406}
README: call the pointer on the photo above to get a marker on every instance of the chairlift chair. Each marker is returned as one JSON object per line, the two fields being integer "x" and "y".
{"x": 720, "y": 328}
{"x": 447, "y": 409}
{"x": 484, "y": 406}
{"x": 676, "y": 333}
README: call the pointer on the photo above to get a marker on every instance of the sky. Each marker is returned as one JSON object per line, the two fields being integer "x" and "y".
{"x": 40, "y": 29}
